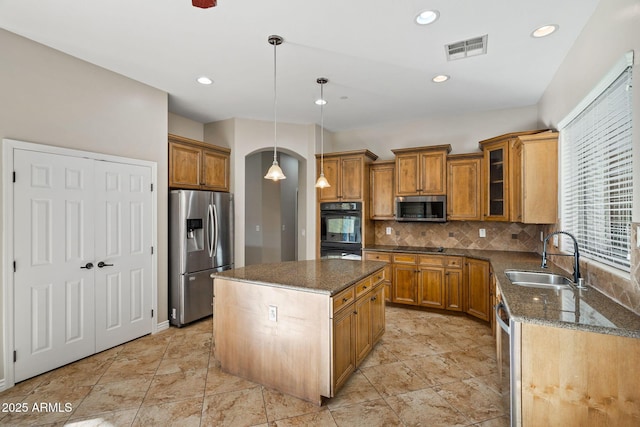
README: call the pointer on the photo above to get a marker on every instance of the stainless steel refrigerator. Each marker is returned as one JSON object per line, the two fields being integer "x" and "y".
{"x": 200, "y": 243}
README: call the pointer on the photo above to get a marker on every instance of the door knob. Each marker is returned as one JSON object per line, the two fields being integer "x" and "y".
{"x": 88, "y": 266}
{"x": 103, "y": 264}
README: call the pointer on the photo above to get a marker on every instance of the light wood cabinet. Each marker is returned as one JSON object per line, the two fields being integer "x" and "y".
{"x": 464, "y": 177}
{"x": 388, "y": 270}
{"x": 344, "y": 355}
{"x": 377, "y": 312}
{"x": 582, "y": 378}
{"x": 477, "y": 286}
{"x": 404, "y": 289}
{"x": 382, "y": 187}
{"x": 520, "y": 177}
{"x": 197, "y": 165}
{"x": 421, "y": 170}
{"x": 440, "y": 279}
{"x": 348, "y": 175}
{"x": 358, "y": 324}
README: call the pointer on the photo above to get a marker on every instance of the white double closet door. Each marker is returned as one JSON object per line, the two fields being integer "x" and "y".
{"x": 82, "y": 247}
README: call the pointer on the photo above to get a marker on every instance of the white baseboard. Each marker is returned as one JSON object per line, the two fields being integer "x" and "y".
{"x": 162, "y": 326}
{"x": 2, "y": 388}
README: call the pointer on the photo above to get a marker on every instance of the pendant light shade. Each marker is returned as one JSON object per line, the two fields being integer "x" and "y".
{"x": 322, "y": 180}
{"x": 275, "y": 172}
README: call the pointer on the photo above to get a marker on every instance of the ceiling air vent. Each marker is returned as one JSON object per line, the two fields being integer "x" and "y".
{"x": 472, "y": 47}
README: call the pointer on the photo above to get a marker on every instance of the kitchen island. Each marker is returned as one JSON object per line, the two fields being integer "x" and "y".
{"x": 300, "y": 327}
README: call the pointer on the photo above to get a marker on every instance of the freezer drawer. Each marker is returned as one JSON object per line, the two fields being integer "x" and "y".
{"x": 192, "y": 298}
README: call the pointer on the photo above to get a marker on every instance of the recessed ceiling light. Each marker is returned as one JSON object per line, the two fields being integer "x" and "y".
{"x": 321, "y": 102}
{"x": 427, "y": 17}
{"x": 544, "y": 31}
{"x": 204, "y": 80}
{"x": 440, "y": 78}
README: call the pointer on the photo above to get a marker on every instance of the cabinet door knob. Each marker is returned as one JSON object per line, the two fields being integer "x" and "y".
{"x": 345, "y": 299}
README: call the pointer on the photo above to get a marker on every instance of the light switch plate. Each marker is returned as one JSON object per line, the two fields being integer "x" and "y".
{"x": 555, "y": 240}
{"x": 482, "y": 232}
{"x": 388, "y": 230}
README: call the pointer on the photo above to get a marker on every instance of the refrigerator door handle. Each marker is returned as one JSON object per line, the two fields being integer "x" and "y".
{"x": 217, "y": 231}
{"x": 210, "y": 227}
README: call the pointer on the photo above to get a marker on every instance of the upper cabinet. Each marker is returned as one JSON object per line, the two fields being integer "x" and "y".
{"x": 348, "y": 175}
{"x": 464, "y": 188}
{"x": 197, "y": 165}
{"x": 382, "y": 186}
{"x": 520, "y": 177}
{"x": 421, "y": 171}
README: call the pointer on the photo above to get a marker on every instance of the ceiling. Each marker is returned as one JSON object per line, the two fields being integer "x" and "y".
{"x": 379, "y": 62}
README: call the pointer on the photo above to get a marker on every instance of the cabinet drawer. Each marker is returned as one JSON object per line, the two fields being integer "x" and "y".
{"x": 377, "y": 256}
{"x": 404, "y": 259}
{"x": 364, "y": 286}
{"x": 454, "y": 262}
{"x": 343, "y": 299}
{"x": 433, "y": 260}
{"x": 379, "y": 276}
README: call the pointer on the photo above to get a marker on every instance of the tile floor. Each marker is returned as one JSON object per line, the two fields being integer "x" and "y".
{"x": 428, "y": 369}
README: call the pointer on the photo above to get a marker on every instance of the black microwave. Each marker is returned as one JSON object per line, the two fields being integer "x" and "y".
{"x": 421, "y": 208}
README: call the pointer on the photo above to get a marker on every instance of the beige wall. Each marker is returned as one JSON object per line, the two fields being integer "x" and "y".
{"x": 245, "y": 137}
{"x": 51, "y": 98}
{"x": 461, "y": 131}
{"x": 188, "y": 128}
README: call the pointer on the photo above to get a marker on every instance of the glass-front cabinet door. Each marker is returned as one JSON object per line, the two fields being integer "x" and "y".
{"x": 496, "y": 203}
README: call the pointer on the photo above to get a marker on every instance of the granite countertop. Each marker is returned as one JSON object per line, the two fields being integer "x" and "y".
{"x": 587, "y": 310}
{"x": 325, "y": 276}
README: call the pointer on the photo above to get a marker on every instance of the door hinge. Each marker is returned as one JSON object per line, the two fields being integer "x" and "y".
{"x": 152, "y": 187}
{"x": 14, "y": 176}
{"x": 151, "y": 250}
{"x": 14, "y": 266}
{"x": 15, "y": 356}
{"x": 152, "y": 313}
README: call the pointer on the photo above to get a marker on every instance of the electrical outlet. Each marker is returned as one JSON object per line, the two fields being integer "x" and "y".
{"x": 555, "y": 240}
{"x": 388, "y": 231}
{"x": 541, "y": 236}
{"x": 257, "y": 228}
{"x": 482, "y": 232}
{"x": 273, "y": 313}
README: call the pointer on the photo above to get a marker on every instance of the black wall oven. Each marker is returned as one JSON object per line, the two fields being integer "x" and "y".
{"x": 341, "y": 230}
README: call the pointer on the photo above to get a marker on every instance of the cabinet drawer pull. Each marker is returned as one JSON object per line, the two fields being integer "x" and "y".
{"x": 374, "y": 298}
{"x": 345, "y": 299}
{"x": 364, "y": 287}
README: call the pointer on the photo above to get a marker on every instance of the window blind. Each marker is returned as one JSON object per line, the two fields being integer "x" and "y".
{"x": 597, "y": 174}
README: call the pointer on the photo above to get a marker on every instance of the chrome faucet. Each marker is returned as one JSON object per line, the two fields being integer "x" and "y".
{"x": 576, "y": 256}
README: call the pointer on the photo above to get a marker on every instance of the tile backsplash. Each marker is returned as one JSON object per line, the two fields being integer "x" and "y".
{"x": 461, "y": 234}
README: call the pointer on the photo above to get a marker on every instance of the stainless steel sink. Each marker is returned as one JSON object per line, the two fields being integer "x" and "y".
{"x": 534, "y": 279}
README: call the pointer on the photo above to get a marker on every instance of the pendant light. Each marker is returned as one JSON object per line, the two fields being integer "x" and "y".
{"x": 275, "y": 173}
{"x": 322, "y": 181}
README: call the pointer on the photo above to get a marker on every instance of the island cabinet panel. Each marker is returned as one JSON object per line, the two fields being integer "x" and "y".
{"x": 377, "y": 313}
{"x": 291, "y": 354}
{"x": 581, "y": 379}
{"x": 344, "y": 343}
{"x": 312, "y": 344}
{"x": 388, "y": 270}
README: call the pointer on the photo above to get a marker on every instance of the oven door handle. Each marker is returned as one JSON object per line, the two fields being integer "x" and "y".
{"x": 503, "y": 325}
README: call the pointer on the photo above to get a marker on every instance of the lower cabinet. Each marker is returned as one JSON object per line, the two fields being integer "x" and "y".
{"x": 358, "y": 324}
{"x": 477, "y": 285}
{"x": 444, "y": 282}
